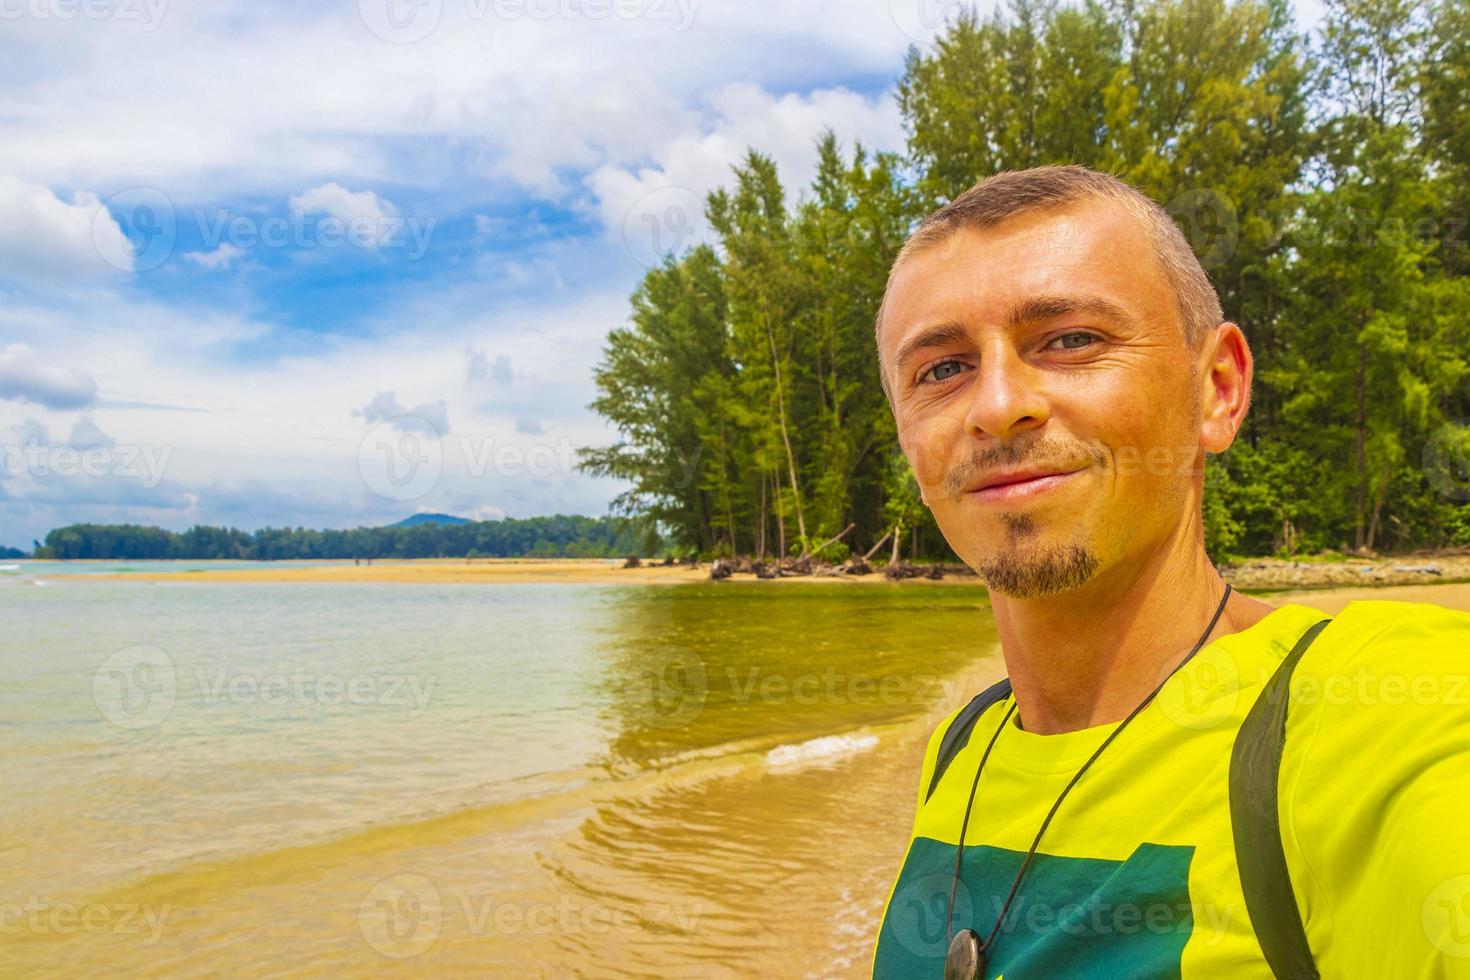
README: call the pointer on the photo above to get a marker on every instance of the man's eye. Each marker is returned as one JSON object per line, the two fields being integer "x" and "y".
{"x": 942, "y": 371}
{"x": 1073, "y": 336}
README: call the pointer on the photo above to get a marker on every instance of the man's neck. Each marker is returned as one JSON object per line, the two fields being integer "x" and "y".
{"x": 1088, "y": 656}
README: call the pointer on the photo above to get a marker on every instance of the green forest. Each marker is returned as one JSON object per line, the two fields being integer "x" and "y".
{"x": 558, "y": 536}
{"x": 1323, "y": 179}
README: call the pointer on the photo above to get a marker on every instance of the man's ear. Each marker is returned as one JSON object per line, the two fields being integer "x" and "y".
{"x": 1228, "y": 371}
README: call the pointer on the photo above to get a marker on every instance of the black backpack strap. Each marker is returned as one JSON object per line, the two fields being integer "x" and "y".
{"x": 1255, "y": 767}
{"x": 957, "y": 735}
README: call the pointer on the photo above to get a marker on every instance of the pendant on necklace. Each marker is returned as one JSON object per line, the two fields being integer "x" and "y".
{"x": 964, "y": 961}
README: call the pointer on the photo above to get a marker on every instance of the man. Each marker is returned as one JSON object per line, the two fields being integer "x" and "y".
{"x": 1058, "y": 367}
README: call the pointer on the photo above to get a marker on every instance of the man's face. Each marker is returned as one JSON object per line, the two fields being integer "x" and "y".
{"x": 1049, "y": 342}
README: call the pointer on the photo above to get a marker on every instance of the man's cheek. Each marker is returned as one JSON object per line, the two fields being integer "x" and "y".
{"x": 963, "y": 528}
{"x": 1157, "y": 463}
{"x": 935, "y": 450}
{"x": 1128, "y": 462}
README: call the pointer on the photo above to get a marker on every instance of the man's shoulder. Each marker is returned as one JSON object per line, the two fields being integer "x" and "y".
{"x": 969, "y": 711}
{"x": 1392, "y": 634}
{"x": 952, "y": 732}
{"x": 1381, "y": 669}
{"x": 1371, "y": 780}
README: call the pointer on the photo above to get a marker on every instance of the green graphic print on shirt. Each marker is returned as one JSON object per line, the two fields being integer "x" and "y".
{"x": 1072, "y": 917}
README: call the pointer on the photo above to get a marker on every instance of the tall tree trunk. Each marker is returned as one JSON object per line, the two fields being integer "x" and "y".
{"x": 897, "y": 537}
{"x": 821, "y": 388}
{"x": 725, "y": 487}
{"x": 836, "y": 389}
{"x": 786, "y": 440}
{"x": 1359, "y": 539}
{"x": 780, "y": 518}
{"x": 1378, "y": 499}
{"x": 709, "y": 530}
{"x": 760, "y": 526}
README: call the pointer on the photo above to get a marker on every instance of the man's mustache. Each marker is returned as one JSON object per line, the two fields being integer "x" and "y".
{"x": 1042, "y": 456}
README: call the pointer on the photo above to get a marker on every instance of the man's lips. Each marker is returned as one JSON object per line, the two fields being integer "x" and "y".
{"x": 1021, "y": 487}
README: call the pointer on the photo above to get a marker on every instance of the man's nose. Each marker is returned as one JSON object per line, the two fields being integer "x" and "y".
{"x": 1006, "y": 397}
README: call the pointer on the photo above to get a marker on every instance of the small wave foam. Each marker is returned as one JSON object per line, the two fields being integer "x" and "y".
{"x": 825, "y": 749}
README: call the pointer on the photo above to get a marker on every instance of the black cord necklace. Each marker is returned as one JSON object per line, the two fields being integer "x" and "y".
{"x": 968, "y": 956}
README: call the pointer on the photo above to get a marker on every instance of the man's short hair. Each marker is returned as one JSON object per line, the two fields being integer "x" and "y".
{"x": 1016, "y": 192}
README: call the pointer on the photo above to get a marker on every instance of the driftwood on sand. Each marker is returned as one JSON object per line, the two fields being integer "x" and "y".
{"x": 724, "y": 568}
{"x": 1260, "y": 574}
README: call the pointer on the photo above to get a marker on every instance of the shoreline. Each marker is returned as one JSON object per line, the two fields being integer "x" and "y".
{"x": 1252, "y": 575}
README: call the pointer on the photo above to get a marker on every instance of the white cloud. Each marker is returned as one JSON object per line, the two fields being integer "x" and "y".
{"x": 482, "y": 369}
{"x": 86, "y": 435}
{"x": 278, "y": 423}
{"x": 385, "y": 408}
{"x": 46, "y": 240}
{"x": 219, "y": 258}
{"x": 24, "y": 377}
{"x": 29, "y": 432}
{"x": 311, "y": 94}
{"x": 368, "y": 220}
{"x": 659, "y": 207}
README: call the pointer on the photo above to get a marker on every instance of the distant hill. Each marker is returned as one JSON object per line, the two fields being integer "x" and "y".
{"x": 418, "y": 519}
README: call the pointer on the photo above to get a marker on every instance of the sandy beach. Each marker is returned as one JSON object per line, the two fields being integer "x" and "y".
{"x": 442, "y": 571}
{"x": 1255, "y": 575}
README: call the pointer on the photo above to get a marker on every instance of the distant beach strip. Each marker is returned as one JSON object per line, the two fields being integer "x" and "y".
{"x": 1264, "y": 574}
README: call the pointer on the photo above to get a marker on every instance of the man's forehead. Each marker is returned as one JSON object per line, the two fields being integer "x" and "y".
{"x": 1092, "y": 248}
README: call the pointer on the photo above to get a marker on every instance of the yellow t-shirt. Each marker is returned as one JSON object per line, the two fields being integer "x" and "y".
{"x": 1136, "y": 876}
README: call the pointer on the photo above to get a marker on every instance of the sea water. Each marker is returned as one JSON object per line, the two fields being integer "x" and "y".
{"x": 496, "y": 779}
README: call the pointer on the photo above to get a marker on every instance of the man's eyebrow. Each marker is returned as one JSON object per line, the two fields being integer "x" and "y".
{"x": 1037, "y": 308}
{"x": 1033, "y": 309}
{"x": 935, "y": 335}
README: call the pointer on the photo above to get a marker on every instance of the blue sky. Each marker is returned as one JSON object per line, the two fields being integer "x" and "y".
{"x": 329, "y": 264}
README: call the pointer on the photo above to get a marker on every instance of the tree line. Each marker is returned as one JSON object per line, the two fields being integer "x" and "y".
{"x": 1321, "y": 178}
{"x": 558, "y": 536}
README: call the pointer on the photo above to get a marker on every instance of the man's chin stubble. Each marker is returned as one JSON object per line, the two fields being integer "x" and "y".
{"x": 1034, "y": 572}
